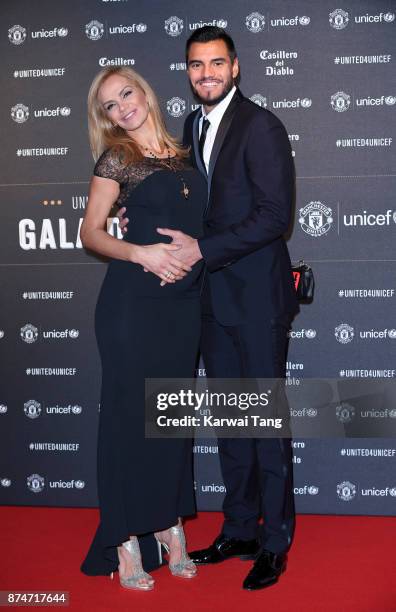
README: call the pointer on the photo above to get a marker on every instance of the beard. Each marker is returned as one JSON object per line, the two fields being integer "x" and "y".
{"x": 228, "y": 85}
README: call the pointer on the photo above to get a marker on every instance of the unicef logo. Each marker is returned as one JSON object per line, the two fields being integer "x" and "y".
{"x": 79, "y": 484}
{"x": 345, "y": 412}
{"x": 344, "y": 333}
{"x": 141, "y": 27}
{"x": 315, "y": 219}
{"x": 5, "y": 482}
{"x": 312, "y": 490}
{"x": 340, "y": 101}
{"x": 310, "y": 333}
{"x": 390, "y": 100}
{"x": 74, "y": 333}
{"x": 306, "y": 102}
{"x": 222, "y": 23}
{"x": 62, "y": 32}
{"x": 259, "y": 100}
{"x": 94, "y": 30}
{"x": 176, "y": 107}
{"x": 392, "y": 333}
{"x": 1, "y": 334}
{"x": 76, "y": 409}
{"x": 17, "y": 34}
{"x": 312, "y": 412}
{"x": 339, "y": 19}
{"x": 304, "y": 20}
{"x": 174, "y": 26}
{"x": 389, "y": 17}
{"x": 29, "y": 333}
{"x": 392, "y": 491}
{"x": 32, "y": 409}
{"x": 392, "y": 413}
{"x": 65, "y": 111}
{"x": 35, "y": 483}
{"x": 346, "y": 490}
{"x": 3, "y": 408}
{"x": 255, "y": 22}
{"x": 20, "y": 113}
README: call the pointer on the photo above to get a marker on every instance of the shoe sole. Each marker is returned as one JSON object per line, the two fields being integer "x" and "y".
{"x": 136, "y": 588}
{"x": 264, "y": 586}
{"x": 241, "y": 557}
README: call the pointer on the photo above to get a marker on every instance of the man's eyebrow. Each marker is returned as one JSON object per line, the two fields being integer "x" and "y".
{"x": 215, "y": 59}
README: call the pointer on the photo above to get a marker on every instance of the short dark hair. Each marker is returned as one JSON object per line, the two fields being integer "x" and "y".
{"x": 208, "y": 34}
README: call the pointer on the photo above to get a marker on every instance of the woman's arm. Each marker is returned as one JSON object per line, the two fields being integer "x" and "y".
{"x": 156, "y": 258}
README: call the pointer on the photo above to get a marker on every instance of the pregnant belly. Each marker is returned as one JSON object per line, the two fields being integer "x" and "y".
{"x": 128, "y": 280}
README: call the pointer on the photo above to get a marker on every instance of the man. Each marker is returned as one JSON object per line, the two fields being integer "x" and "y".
{"x": 248, "y": 296}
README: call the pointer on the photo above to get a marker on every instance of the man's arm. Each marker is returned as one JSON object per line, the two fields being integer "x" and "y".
{"x": 271, "y": 172}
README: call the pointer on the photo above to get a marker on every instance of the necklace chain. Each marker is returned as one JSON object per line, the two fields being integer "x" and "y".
{"x": 166, "y": 161}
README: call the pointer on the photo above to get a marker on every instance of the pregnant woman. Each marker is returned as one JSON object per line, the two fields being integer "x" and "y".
{"x": 147, "y": 325}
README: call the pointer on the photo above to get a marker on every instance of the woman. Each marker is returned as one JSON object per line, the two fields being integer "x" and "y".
{"x": 147, "y": 326}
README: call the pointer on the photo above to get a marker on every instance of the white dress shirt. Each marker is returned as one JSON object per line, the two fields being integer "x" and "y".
{"x": 214, "y": 116}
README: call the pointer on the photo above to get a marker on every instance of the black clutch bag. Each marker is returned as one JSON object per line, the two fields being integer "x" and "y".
{"x": 304, "y": 282}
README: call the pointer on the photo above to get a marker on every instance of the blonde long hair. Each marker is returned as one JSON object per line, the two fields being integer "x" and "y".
{"x": 104, "y": 135}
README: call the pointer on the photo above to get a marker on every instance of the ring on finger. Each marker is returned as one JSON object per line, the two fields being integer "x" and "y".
{"x": 168, "y": 274}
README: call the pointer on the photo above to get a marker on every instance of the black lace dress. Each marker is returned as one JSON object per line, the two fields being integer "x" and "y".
{"x": 144, "y": 330}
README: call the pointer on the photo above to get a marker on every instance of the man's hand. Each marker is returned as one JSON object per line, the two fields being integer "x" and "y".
{"x": 160, "y": 259}
{"x": 122, "y": 221}
{"x": 189, "y": 252}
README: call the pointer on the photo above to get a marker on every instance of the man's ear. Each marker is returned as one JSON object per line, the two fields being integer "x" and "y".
{"x": 235, "y": 68}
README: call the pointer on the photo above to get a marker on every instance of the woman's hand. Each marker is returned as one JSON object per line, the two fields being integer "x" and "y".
{"x": 158, "y": 259}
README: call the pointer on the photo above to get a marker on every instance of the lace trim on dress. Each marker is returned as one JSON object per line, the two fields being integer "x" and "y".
{"x": 130, "y": 176}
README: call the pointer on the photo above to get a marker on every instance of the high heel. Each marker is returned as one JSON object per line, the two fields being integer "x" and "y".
{"x": 185, "y": 568}
{"x": 133, "y": 581}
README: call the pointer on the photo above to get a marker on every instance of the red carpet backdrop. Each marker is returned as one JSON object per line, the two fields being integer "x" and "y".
{"x": 327, "y": 69}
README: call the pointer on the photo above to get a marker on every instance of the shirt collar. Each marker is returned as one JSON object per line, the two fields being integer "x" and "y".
{"x": 216, "y": 115}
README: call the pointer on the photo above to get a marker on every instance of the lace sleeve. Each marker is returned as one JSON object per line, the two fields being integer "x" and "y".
{"x": 109, "y": 166}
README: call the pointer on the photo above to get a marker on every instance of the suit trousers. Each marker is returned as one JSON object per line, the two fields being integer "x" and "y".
{"x": 257, "y": 472}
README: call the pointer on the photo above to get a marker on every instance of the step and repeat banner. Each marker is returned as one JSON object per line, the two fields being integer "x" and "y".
{"x": 327, "y": 70}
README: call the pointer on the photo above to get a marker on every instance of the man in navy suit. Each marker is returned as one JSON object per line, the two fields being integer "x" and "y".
{"x": 248, "y": 295}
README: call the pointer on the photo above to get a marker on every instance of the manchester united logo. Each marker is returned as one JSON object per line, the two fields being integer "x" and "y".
{"x": 174, "y": 26}
{"x": 315, "y": 219}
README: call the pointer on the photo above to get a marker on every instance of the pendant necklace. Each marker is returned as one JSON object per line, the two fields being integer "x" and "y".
{"x": 185, "y": 191}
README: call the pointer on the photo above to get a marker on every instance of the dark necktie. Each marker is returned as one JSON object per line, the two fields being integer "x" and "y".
{"x": 202, "y": 138}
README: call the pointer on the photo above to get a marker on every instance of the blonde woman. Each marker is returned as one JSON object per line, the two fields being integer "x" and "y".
{"x": 147, "y": 325}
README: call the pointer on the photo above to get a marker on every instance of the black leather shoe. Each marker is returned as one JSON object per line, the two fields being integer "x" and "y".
{"x": 226, "y": 548}
{"x": 265, "y": 571}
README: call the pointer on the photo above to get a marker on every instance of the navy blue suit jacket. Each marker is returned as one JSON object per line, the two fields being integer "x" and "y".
{"x": 250, "y": 195}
